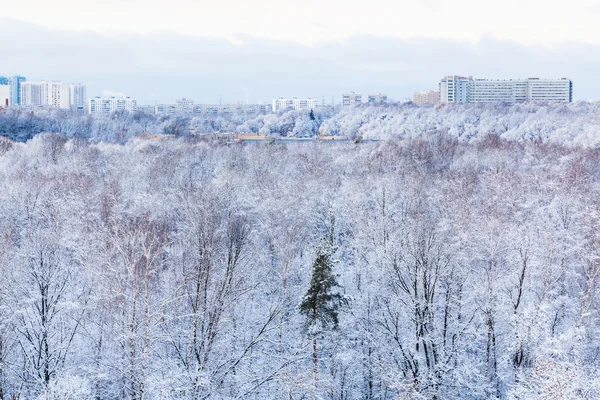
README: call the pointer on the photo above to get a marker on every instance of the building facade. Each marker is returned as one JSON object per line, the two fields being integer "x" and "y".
{"x": 210, "y": 108}
{"x": 455, "y": 89}
{"x": 54, "y": 94}
{"x": 99, "y": 105}
{"x": 560, "y": 90}
{"x": 77, "y": 95}
{"x": 15, "y": 83}
{"x": 34, "y": 94}
{"x": 426, "y": 97}
{"x": 351, "y": 99}
{"x": 377, "y": 98}
{"x": 294, "y": 103}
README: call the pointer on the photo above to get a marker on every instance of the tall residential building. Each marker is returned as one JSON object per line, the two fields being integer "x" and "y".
{"x": 99, "y": 105}
{"x": 15, "y": 83}
{"x": 455, "y": 89}
{"x": 426, "y": 97}
{"x": 294, "y": 103}
{"x": 3, "y": 80}
{"x": 52, "y": 94}
{"x": 58, "y": 95}
{"x": 351, "y": 99}
{"x": 77, "y": 95}
{"x": 4, "y": 95}
{"x": 377, "y": 98}
{"x": 459, "y": 89}
{"x": 34, "y": 93}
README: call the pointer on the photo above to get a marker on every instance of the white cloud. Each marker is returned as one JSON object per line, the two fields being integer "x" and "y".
{"x": 315, "y": 21}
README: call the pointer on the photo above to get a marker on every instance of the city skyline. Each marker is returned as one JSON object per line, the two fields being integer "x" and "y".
{"x": 159, "y": 68}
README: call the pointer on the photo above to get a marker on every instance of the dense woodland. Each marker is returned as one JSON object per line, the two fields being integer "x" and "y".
{"x": 576, "y": 124}
{"x": 410, "y": 268}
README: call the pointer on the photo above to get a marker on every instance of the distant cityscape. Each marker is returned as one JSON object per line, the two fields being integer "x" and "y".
{"x": 16, "y": 91}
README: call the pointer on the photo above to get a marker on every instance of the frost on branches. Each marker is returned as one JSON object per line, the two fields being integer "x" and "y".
{"x": 188, "y": 268}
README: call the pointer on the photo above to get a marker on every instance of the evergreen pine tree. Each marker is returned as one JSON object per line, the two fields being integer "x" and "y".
{"x": 323, "y": 299}
{"x": 312, "y": 115}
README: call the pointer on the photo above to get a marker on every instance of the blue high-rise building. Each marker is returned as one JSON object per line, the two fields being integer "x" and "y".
{"x": 15, "y": 89}
{"x": 3, "y": 80}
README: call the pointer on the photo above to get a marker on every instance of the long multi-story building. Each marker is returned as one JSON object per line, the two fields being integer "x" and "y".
{"x": 189, "y": 107}
{"x": 377, "y": 98}
{"x": 458, "y": 89}
{"x": 99, "y": 105}
{"x": 52, "y": 94}
{"x": 426, "y": 97}
{"x": 294, "y": 103}
{"x": 351, "y": 99}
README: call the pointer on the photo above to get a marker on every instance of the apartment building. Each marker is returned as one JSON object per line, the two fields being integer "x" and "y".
{"x": 34, "y": 93}
{"x": 294, "y": 103}
{"x": 100, "y": 105}
{"x": 455, "y": 89}
{"x": 77, "y": 95}
{"x": 560, "y": 90}
{"x": 53, "y": 94}
{"x": 351, "y": 99}
{"x": 426, "y": 97}
{"x": 15, "y": 83}
{"x": 377, "y": 98}
{"x": 190, "y": 107}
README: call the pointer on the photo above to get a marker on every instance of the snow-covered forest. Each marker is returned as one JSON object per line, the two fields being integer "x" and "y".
{"x": 576, "y": 124}
{"x": 420, "y": 267}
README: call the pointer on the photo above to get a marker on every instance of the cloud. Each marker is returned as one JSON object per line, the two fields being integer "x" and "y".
{"x": 164, "y": 66}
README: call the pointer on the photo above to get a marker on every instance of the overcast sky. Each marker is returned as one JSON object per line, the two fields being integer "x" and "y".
{"x": 259, "y": 49}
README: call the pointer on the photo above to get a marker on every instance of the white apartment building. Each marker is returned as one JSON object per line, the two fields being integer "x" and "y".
{"x": 184, "y": 105}
{"x": 77, "y": 95}
{"x": 53, "y": 94}
{"x": 4, "y": 96}
{"x": 294, "y": 103}
{"x": 351, "y": 99}
{"x": 455, "y": 89}
{"x": 99, "y": 105}
{"x": 377, "y": 98}
{"x": 426, "y": 97}
{"x": 34, "y": 93}
{"x": 211, "y": 108}
{"x": 550, "y": 90}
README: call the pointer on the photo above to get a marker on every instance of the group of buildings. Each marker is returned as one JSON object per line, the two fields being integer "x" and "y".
{"x": 460, "y": 89}
{"x": 17, "y": 91}
{"x": 280, "y": 104}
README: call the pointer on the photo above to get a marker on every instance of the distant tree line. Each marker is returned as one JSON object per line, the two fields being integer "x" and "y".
{"x": 576, "y": 124}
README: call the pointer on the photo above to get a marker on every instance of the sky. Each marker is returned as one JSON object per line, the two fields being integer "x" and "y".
{"x": 254, "y": 50}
